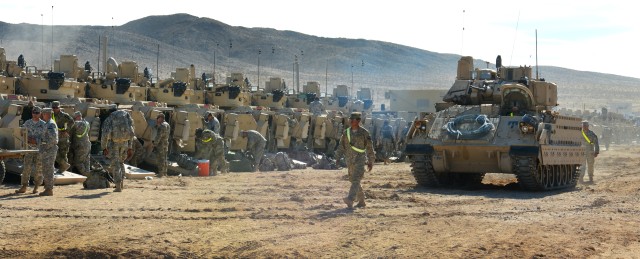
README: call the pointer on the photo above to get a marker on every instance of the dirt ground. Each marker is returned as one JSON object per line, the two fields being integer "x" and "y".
{"x": 301, "y": 214}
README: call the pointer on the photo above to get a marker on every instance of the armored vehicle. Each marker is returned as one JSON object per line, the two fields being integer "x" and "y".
{"x": 496, "y": 121}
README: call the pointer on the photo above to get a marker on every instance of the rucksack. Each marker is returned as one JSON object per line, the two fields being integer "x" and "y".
{"x": 121, "y": 126}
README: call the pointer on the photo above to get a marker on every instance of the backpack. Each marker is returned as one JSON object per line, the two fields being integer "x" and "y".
{"x": 121, "y": 126}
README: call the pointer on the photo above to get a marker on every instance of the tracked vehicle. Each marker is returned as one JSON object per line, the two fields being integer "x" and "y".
{"x": 496, "y": 121}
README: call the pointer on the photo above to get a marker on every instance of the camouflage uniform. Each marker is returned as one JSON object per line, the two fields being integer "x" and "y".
{"x": 48, "y": 150}
{"x": 117, "y": 142}
{"x": 81, "y": 146}
{"x": 32, "y": 165}
{"x": 64, "y": 122}
{"x": 161, "y": 143}
{"x": 211, "y": 147}
{"x": 139, "y": 152}
{"x": 256, "y": 144}
{"x": 607, "y": 133}
{"x": 592, "y": 148}
{"x": 388, "y": 141}
{"x": 213, "y": 124}
{"x": 316, "y": 108}
{"x": 357, "y": 148}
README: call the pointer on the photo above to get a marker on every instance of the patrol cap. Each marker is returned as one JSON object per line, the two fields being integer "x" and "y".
{"x": 47, "y": 110}
{"x": 585, "y": 123}
{"x": 77, "y": 113}
{"x": 36, "y": 109}
{"x": 355, "y": 116}
{"x": 55, "y": 104}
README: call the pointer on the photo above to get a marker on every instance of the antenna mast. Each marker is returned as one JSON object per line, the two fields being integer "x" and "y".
{"x": 537, "y": 76}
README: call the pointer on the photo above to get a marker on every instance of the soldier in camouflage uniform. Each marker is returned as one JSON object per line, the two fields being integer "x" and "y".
{"x": 31, "y": 161}
{"x": 64, "y": 122}
{"x": 211, "y": 147}
{"x": 255, "y": 144}
{"x": 48, "y": 150}
{"x": 212, "y": 123}
{"x": 388, "y": 141}
{"x": 357, "y": 148}
{"x": 316, "y": 107}
{"x": 161, "y": 143}
{"x": 81, "y": 144}
{"x": 117, "y": 144}
{"x": 592, "y": 149}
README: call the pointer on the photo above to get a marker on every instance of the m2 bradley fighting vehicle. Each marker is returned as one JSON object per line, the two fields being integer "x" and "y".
{"x": 496, "y": 122}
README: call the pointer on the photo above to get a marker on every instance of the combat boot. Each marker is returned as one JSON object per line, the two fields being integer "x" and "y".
{"x": 63, "y": 168}
{"x": 349, "y": 202}
{"x": 35, "y": 189}
{"x": 47, "y": 192}
{"x": 360, "y": 199}
{"x": 22, "y": 189}
{"x": 118, "y": 187}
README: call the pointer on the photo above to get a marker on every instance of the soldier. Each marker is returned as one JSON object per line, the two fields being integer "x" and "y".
{"x": 31, "y": 161}
{"x": 211, "y": 147}
{"x": 316, "y": 107}
{"x": 607, "y": 133}
{"x": 64, "y": 122}
{"x": 255, "y": 144}
{"x": 212, "y": 123}
{"x": 81, "y": 144}
{"x": 161, "y": 143}
{"x": 590, "y": 141}
{"x": 357, "y": 148}
{"x": 388, "y": 141}
{"x": 26, "y": 111}
{"x": 48, "y": 149}
{"x": 117, "y": 144}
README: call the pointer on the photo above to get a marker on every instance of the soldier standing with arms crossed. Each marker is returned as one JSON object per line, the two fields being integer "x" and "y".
{"x": 357, "y": 148}
{"x": 161, "y": 143}
{"x": 64, "y": 122}
{"x": 117, "y": 144}
{"x": 81, "y": 144}
{"x": 592, "y": 149}
{"x": 32, "y": 165}
{"x": 48, "y": 149}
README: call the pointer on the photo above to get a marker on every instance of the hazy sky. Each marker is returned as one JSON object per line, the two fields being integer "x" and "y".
{"x": 599, "y": 36}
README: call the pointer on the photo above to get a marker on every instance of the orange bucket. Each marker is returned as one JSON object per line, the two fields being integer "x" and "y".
{"x": 203, "y": 167}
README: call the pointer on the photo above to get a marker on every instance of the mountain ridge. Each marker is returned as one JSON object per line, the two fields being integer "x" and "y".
{"x": 184, "y": 39}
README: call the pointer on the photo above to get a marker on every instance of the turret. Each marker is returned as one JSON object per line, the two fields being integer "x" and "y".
{"x": 509, "y": 87}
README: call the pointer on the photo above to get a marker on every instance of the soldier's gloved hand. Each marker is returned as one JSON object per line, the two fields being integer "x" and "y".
{"x": 105, "y": 152}
{"x": 595, "y": 155}
{"x": 369, "y": 166}
{"x": 129, "y": 153}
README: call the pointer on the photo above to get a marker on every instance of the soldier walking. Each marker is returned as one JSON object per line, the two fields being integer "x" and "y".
{"x": 357, "y": 148}
{"x": 64, "y": 122}
{"x": 81, "y": 144}
{"x": 255, "y": 144}
{"x": 592, "y": 149}
{"x": 31, "y": 161}
{"x": 388, "y": 141}
{"x": 211, "y": 147}
{"x": 161, "y": 143}
{"x": 48, "y": 149}
{"x": 117, "y": 144}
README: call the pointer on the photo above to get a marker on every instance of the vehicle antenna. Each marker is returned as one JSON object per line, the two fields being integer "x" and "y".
{"x": 514, "y": 38}
{"x": 537, "y": 75}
